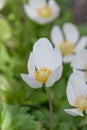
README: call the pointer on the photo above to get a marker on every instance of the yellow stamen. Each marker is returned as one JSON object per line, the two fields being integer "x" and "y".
{"x": 81, "y": 102}
{"x": 86, "y": 70}
{"x": 45, "y": 12}
{"x": 42, "y": 74}
{"x": 67, "y": 48}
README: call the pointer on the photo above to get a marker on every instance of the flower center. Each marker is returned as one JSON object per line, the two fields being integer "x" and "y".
{"x": 67, "y": 48}
{"x": 42, "y": 74}
{"x": 45, "y": 12}
{"x": 81, "y": 102}
{"x": 86, "y": 70}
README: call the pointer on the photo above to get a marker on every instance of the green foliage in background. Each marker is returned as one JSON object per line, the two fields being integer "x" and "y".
{"x": 21, "y": 107}
{"x": 17, "y": 118}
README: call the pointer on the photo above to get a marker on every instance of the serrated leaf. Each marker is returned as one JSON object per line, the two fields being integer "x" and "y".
{"x": 17, "y": 118}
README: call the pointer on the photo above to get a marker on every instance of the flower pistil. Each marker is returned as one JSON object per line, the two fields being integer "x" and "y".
{"x": 67, "y": 48}
{"x": 81, "y": 102}
{"x": 44, "y": 12}
{"x": 42, "y": 74}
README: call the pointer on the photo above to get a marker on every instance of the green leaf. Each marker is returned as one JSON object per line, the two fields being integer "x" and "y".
{"x": 17, "y": 118}
{"x": 64, "y": 126}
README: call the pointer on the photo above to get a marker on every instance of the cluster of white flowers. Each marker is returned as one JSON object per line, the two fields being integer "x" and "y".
{"x": 45, "y": 67}
{"x": 45, "y": 62}
{"x": 77, "y": 87}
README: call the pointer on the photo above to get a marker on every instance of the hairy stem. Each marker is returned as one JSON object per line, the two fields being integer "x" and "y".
{"x": 50, "y": 107}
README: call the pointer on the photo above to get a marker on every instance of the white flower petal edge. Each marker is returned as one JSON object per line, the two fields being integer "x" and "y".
{"x": 81, "y": 44}
{"x": 74, "y": 112}
{"x": 31, "y": 12}
{"x": 37, "y": 3}
{"x": 80, "y": 60}
{"x": 76, "y": 88}
{"x": 56, "y": 35}
{"x": 42, "y": 21}
{"x": 56, "y": 59}
{"x": 68, "y": 59}
{"x": 31, "y": 65}
{"x": 78, "y": 84}
{"x": 70, "y": 94}
{"x": 31, "y": 81}
{"x": 2, "y": 3}
{"x": 55, "y": 75}
{"x": 81, "y": 73}
{"x": 54, "y": 6}
{"x": 42, "y": 50}
{"x": 71, "y": 32}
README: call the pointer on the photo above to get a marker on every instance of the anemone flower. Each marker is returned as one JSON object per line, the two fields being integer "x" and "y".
{"x": 68, "y": 40}
{"x": 42, "y": 11}
{"x": 79, "y": 63}
{"x": 44, "y": 65}
{"x": 77, "y": 94}
{"x": 2, "y": 3}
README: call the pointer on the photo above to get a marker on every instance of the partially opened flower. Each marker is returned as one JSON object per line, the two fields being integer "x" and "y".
{"x": 44, "y": 65}
{"x": 77, "y": 94}
{"x": 42, "y": 11}
{"x": 68, "y": 40}
{"x": 79, "y": 62}
{"x": 2, "y": 3}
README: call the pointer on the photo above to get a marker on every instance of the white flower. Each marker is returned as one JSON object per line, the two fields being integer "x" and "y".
{"x": 77, "y": 95}
{"x": 79, "y": 63}
{"x": 44, "y": 65}
{"x": 2, "y": 3}
{"x": 68, "y": 40}
{"x": 42, "y": 12}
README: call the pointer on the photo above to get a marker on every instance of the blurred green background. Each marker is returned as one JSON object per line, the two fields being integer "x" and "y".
{"x": 21, "y": 107}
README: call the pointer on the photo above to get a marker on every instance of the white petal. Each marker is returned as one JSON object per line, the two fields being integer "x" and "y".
{"x": 44, "y": 21}
{"x": 56, "y": 59}
{"x": 55, "y": 75}
{"x": 56, "y": 36}
{"x": 41, "y": 21}
{"x": 78, "y": 84}
{"x": 71, "y": 32}
{"x": 54, "y": 6}
{"x": 81, "y": 73}
{"x": 43, "y": 52}
{"x": 2, "y": 3}
{"x": 55, "y": 11}
{"x": 48, "y": 20}
{"x": 31, "y": 65}
{"x": 31, "y": 13}
{"x": 80, "y": 60}
{"x": 74, "y": 112}
{"x": 37, "y": 3}
{"x": 81, "y": 44}
{"x": 31, "y": 81}
{"x": 54, "y": 16}
{"x": 70, "y": 94}
{"x": 68, "y": 59}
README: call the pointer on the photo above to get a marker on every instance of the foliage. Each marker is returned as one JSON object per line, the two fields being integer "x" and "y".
{"x": 17, "y": 118}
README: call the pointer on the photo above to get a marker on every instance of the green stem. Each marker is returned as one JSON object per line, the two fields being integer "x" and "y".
{"x": 50, "y": 107}
{"x": 83, "y": 122}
